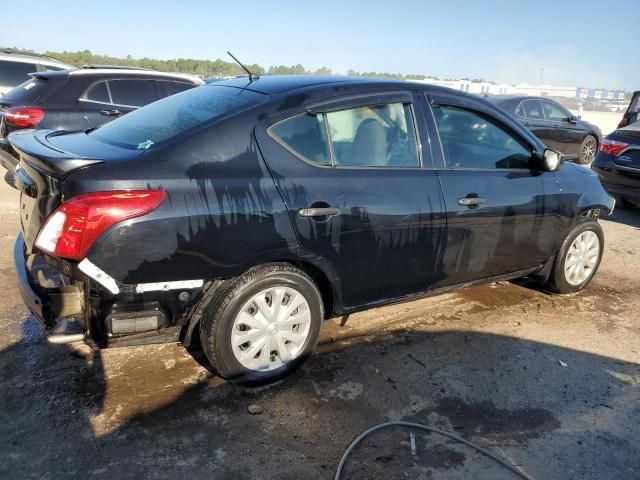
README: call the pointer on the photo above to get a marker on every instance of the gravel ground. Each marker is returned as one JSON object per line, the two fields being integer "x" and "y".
{"x": 550, "y": 383}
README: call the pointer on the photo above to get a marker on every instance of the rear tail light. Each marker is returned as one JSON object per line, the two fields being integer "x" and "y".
{"x": 612, "y": 147}
{"x": 23, "y": 117}
{"x": 75, "y": 225}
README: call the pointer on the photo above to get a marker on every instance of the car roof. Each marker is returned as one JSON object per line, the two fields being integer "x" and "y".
{"x": 120, "y": 72}
{"x": 273, "y": 84}
{"x": 509, "y": 98}
{"x": 27, "y": 57}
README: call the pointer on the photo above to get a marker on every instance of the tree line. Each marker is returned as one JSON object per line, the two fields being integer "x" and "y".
{"x": 211, "y": 68}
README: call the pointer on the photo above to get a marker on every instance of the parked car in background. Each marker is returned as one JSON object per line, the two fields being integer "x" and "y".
{"x": 81, "y": 99}
{"x": 15, "y": 67}
{"x": 617, "y": 106}
{"x": 618, "y": 165}
{"x": 558, "y": 128}
{"x": 631, "y": 115}
{"x": 251, "y": 210}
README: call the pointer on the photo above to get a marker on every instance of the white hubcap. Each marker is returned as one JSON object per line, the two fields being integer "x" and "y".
{"x": 582, "y": 258}
{"x": 271, "y": 329}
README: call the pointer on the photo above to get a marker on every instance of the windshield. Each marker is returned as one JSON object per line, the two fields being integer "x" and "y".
{"x": 163, "y": 120}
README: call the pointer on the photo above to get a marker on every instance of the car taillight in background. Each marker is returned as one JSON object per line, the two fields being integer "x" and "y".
{"x": 72, "y": 228}
{"x": 612, "y": 147}
{"x": 23, "y": 117}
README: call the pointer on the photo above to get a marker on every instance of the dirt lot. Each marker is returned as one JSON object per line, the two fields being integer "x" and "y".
{"x": 550, "y": 383}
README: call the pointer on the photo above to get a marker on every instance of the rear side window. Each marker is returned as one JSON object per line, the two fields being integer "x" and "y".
{"x": 133, "y": 93}
{"x": 14, "y": 73}
{"x": 472, "y": 140}
{"x": 172, "y": 116}
{"x": 532, "y": 109}
{"x": 306, "y": 136}
{"x": 98, "y": 93}
{"x": 374, "y": 136}
{"x": 369, "y": 136}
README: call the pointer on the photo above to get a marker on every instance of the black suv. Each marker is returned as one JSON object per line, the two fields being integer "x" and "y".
{"x": 250, "y": 211}
{"x": 81, "y": 99}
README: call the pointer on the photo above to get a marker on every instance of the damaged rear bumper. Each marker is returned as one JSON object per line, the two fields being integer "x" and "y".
{"x": 45, "y": 302}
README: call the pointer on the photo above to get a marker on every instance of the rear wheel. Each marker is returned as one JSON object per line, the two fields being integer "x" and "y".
{"x": 578, "y": 258}
{"x": 588, "y": 150}
{"x": 263, "y": 325}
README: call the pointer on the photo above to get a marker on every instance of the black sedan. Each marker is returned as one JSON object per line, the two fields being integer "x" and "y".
{"x": 618, "y": 165}
{"x": 249, "y": 211}
{"x": 558, "y": 128}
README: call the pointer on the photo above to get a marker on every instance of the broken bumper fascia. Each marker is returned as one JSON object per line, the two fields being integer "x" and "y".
{"x": 46, "y": 304}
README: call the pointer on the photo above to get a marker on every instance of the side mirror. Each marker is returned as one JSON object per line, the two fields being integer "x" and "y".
{"x": 573, "y": 119}
{"x": 551, "y": 160}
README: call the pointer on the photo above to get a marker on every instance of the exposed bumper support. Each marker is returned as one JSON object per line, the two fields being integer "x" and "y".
{"x": 46, "y": 304}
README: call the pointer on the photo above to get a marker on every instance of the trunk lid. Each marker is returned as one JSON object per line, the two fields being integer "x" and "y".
{"x": 46, "y": 159}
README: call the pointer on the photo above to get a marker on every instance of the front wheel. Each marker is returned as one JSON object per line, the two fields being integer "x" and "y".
{"x": 578, "y": 258}
{"x": 588, "y": 150}
{"x": 263, "y": 325}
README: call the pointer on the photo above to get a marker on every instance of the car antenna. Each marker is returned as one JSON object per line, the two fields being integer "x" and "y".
{"x": 252, "y": 76}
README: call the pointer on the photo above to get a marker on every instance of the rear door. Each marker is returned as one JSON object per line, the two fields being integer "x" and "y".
{"x": 360, "y": 192}
{"x": 105, "y": 100}
{"x": 499, "y": 220}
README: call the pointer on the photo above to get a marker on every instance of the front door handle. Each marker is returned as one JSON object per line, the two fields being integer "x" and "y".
{"x": 319, "y": 212}
{"x": 111, "y": 113}
{"x": 471, "y": 202}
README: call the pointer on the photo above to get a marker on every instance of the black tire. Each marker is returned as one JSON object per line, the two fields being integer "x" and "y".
{"x": 557, "y": 281}
{"x": 588, "y": 150}
{"x": 217, "y": 323}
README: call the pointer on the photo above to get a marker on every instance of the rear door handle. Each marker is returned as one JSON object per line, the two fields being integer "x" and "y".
{"x": 111, "y": 113}
{"x": 319, "y": 212}
{"x": 471, "y": 201}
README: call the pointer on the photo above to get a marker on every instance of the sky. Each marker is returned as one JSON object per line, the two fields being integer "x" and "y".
{"x": 578, "y": 43}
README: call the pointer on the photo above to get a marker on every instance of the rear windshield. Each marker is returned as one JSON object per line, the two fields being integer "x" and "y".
{"x": 33, "y": 91}
{"x": 165, "y": 119}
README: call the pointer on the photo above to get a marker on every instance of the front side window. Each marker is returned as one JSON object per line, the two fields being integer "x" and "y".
{"x": 533, "y": 109}
{"x": 554, "y": 112}
{"x": 169, "y": 87}
{"x": 472, "y": 140}
{"x": 371, "y": 136}
{"x": 133, "y": 93}
{"x": 14, "y": 73}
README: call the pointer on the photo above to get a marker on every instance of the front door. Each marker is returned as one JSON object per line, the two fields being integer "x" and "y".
{"x": 353, "y": 178}
{"x": 567, "y": 135}
{"x": 499, "y": 220}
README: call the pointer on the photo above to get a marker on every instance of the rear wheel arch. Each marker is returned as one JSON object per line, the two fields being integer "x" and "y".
{"x": 323, "y": 276}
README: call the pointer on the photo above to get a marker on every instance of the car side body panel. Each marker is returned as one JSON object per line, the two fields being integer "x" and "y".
{"x": 234, "y": 196}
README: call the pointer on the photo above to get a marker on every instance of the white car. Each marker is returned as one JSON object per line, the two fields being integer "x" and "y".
{"x": 15, "y": 67}
{"x": 617, "y": 106}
